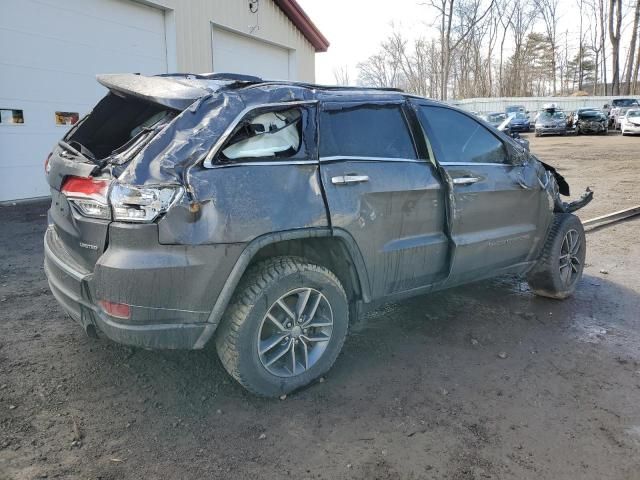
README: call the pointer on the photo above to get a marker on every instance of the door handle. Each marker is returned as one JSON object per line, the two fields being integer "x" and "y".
{"x": 344, "y": 179}
{"x": 465, "y": 180}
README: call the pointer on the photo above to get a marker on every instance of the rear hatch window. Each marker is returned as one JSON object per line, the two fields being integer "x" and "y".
{"x": 115, "y": 124}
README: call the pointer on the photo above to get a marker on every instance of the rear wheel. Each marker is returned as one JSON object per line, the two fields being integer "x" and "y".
{"x": 560, "y": 266}
{"x": 285, "y": 326}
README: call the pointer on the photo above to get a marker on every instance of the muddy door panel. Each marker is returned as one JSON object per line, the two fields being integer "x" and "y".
{"x": 377, "y": 190}
{"x": 494, "y": 204}
{"x": 494, "y": 219}
{"x": 395, "y": 215}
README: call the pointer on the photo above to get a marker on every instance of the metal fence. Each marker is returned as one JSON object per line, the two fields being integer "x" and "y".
{"x": 532, "y": 104}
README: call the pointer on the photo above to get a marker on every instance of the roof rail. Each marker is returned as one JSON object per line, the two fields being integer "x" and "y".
{"x": 324, "y": 87}
{"x": 236, "y": 77}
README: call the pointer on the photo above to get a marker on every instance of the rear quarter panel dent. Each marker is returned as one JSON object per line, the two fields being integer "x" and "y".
{"x": 246, "y": 201}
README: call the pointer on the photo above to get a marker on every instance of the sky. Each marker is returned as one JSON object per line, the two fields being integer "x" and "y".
{"x": 355, "y": 28}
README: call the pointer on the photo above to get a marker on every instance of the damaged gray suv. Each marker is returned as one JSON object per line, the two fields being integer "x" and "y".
{"x": 265, "y": 216}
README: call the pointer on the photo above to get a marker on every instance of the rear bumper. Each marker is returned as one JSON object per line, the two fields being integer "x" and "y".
{"x": 167, "y": 323}
{"x": 551, "y": 130}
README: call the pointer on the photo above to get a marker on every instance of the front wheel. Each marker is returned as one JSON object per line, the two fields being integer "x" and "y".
{"x": 560, "y": 266}
{"x": 285, "y": 326}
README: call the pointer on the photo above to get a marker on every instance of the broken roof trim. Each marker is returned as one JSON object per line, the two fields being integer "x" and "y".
{"x": 301, "y": 20}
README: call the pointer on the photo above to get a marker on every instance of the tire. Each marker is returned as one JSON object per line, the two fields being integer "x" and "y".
{"x": 246, "y": 328}
{"x": 548, "y": 278}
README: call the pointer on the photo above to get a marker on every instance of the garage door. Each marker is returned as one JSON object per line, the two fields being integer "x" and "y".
{"x": 236, "y": 53}
{"x": 50, "y": 54}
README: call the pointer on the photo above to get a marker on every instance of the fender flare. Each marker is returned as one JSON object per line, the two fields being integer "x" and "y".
{"x": 262, "y": 241}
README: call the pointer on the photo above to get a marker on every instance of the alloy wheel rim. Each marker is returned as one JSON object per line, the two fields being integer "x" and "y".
{"x": 295, "y": 332}
{"x": 569, "y": 257}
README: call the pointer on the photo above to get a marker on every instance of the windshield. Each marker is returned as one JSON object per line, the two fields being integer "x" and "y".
{"x": 496, "y": 117}
{"x": 521, "y": 116}
{"x": 551, "y": 115}
{"x": 624, "y": 102}
{"x": 589, "y": 114}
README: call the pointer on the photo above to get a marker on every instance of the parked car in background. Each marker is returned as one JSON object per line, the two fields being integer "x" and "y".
{"x": 520, "y": 122}
{"x": 588, "y": 121}
{"x": 171, "y": 223}
{"x": 515, "y": 109}
{"x": 551, "y": 122}
{"x": 630, "y": 123}
{"x": 496, "y": 119}
{"x": 619, "y": 107}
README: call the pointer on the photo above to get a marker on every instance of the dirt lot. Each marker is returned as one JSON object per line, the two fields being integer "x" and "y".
{"x": 420, "y": 390}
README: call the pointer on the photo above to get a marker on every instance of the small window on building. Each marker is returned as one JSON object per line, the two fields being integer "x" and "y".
{"x": 11, "y": 116}
{"x": 267, "y": 135}
{"x": 66, "y": 118}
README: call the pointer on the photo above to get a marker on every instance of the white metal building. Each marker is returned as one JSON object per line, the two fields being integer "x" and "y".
{"x": 51, "y": 50}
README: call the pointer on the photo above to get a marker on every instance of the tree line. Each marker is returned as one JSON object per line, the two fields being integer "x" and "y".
{"x": 484, "y": 48}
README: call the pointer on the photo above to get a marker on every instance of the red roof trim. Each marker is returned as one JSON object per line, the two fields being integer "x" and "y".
{"x": 300, "y": 19}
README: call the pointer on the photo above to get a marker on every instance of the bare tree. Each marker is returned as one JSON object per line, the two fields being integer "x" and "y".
{"x": 489, "y": 47}
{"x": 632, "y": 50}
{"x": 580, "y": 4}
{"x": 455, "y": 24}
{"x": 615, "y": 25}
{"x": 341, "y": 75}
{"x": 548, "y": 11}
{"x": 596, "y": 35}
{"x": 523, "y": 18}
{"x": 506, "y": 11}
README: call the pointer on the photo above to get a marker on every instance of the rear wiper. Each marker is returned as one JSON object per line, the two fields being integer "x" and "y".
{"x": 83, "y": 152}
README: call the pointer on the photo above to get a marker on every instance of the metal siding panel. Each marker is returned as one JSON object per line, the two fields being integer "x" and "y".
{"x": 234, "y": 52}
{"x": 193, "y": 33}
{"x": 52, "y": 68}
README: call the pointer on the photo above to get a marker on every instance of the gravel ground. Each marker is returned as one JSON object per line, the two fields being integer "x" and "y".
{"x": 485, "y": 381}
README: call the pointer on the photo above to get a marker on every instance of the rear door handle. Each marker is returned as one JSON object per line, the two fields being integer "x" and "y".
{"x": 465, "y": 180}
{"x": 344, "y": 179}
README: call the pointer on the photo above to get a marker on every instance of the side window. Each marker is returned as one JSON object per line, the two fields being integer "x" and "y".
{"x": 365, "y": 131}
{"x": 460, "y": 138}
{"x": 267, "y": 135}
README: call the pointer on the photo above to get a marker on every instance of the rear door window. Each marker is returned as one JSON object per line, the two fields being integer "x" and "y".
{"x": 460, "y": 138}
{"x": 378, "y": 131}
{"x": 266, "y": 135}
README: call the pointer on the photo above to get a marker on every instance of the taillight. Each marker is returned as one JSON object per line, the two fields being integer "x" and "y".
{"x": 142, "y": 204}
{"x": 89, "y": 195}
{"x": 114, "y": 309}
